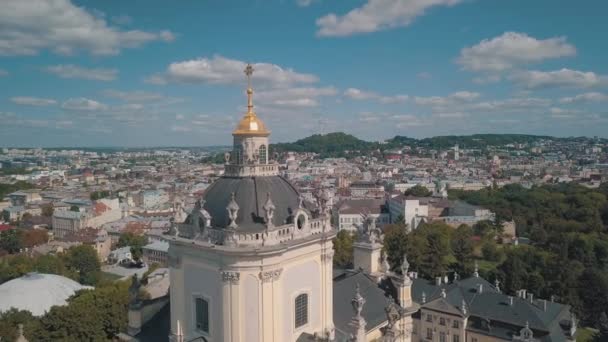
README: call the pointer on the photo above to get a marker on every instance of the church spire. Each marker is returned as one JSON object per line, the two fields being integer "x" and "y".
{"x": 249, "y": 71}
{"x": 250, "y": 124}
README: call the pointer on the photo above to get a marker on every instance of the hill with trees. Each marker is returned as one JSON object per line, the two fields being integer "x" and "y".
{"x": 339, "y": 144}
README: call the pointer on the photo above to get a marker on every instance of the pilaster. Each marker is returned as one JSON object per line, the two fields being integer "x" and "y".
{"x": 230, "y": 305}
{"x": 269, "y": 301}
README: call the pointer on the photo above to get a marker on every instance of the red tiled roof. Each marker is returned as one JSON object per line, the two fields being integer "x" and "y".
{"x": 100, "y": 208}
{"x": 4, "y": 227}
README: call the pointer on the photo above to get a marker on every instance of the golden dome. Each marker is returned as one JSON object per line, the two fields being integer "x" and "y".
{"x": 250, "y": 124}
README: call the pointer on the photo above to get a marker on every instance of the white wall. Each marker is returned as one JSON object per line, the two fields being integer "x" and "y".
{"x": 297, "y": 279}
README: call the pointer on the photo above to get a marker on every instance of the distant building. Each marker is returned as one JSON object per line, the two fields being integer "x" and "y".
{"x": 22, "y": 197}
{"x": 350, "y": 213}
{"x": 96, "y": 238}
{"x": 156, "y": 252}
{"x": 365, "y": 189}
{"x": 412, "y": 209}
{"x": 94, "y": 216}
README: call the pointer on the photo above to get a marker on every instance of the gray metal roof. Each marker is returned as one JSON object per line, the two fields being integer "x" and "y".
{"x": 494, "y": 306}
{"x": 344, "y": 291}
{"x": 250, "y": 195}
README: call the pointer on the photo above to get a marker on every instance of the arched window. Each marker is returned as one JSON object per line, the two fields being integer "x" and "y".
{"x": 262, "y": 154}
{"x": 201, "y": 306}
{"x": 301, "y": 310}
{"x": 301, "y": 221}
{"x": 238, "y": 154}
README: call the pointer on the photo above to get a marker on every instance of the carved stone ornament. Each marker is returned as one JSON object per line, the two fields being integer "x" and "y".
{"x": 231, "y": 277}
{"x": 272, "y": 275}
{"x": 269, "y": 209}
{"x": 233, "y": 209}
{"x": 327, "y": 257}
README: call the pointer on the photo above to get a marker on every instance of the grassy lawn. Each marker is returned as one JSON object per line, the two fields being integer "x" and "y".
{"x": 105, "y": 276}
{"x": 485, "y": 265}
{"x": 584, "y": 335}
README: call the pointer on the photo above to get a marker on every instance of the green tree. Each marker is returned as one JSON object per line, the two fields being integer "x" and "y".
{"x": 490, "y": 251}
{"x": 396, "y": 246}
{"x": 515, "y": 273}
{"x": 343, "y": 249}
{"x": 136, "y": 242}
{"x": 435, "y": 260}
{"x": 462, "y": 249}
{"x": 602, "y": 334}
{"x": 75, "y": 208}
{"x": 47, "y": 210}
{"x": 10, "y": 240}
{"x": 10, "y": 320}
{"x": 484, "y": 228}
{"x": 83, "y": 260}
{"x": 593, "y": 292}
{"x": 418, "y": 191}
{"x": 400, "y": 220}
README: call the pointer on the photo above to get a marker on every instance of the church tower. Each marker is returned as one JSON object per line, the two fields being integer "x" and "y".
{"x": 253, "y": 260}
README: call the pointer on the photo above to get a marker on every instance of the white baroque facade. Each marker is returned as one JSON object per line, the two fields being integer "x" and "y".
{"x": 253, "y": 260}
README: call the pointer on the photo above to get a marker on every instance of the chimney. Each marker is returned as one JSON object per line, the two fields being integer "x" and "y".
{"x": 531, "y": 297}
{"x": 479, "y": 288}
{"x": 510, "y": 300}
{"x": 438, "y": 281}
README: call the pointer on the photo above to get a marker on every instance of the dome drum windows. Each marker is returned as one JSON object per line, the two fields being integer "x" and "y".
{"x": 262, "y": 154}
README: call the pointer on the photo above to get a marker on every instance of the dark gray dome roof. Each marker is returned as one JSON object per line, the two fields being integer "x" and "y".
{"x": 250, "y": 195}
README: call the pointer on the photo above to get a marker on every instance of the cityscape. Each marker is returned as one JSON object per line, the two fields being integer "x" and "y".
{"x": 303, "y": 170}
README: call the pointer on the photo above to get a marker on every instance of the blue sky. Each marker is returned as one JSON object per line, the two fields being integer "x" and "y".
{"x": 156, "y": 73}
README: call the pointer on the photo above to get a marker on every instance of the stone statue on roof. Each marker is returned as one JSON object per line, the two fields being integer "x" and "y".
{"x": 368, "y": 231}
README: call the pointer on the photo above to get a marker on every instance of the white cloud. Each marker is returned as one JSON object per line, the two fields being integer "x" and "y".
{"x": 451, "y": 115}
{"x": 464, "y": 95}
{"x": 221, "y": 70}
{"x": 357, "y": 94}
{"x": 157, "y": 79}
{"x": 133, "y": 96}
{"x": 424, "y": 75}
{"x": 3, "y": 72}
{"x": 512, "y": 49}
{"x": 182, "y": 129}
{"x": 167, "y": 36}
{"x": 560, "y": 113}
{"x": 58, "y": 25}
{"x": 511, "y": 105}
{"x": 82, "y": 103}
{"x": 179, "y": 117}
{"x": 294, "y": 97}
{"x": 376, "y": 15}
{"x": 33, "y": 101}
{"x": 586, "y": 97}
{"x": 304, "y": 3}
{"x": 454, "y": 98}
{"x": 74, "y": 71}
{"x": 558, "y": 78}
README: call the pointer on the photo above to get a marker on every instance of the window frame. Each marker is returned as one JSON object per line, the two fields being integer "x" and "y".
{"x": 308, "y": 295}
{"x": 262, "y": 157}
{"x": 207, "y": 299}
